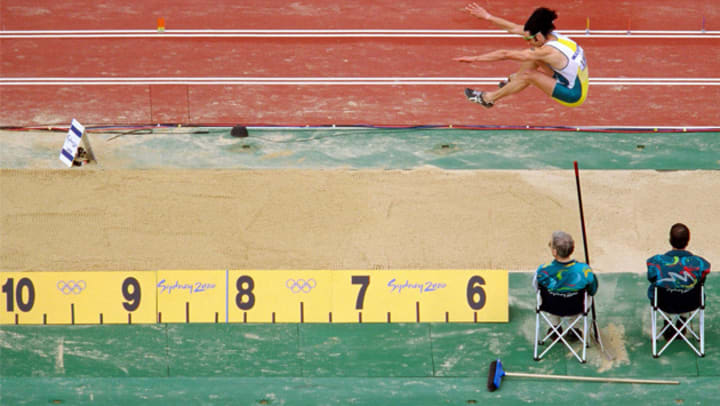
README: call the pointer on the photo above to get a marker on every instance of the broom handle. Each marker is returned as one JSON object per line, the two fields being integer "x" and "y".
{"x": 591, "y": 378}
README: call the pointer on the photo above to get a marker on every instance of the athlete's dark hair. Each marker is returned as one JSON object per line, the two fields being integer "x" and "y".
{"x": 679, "y": 236}
{"x": 541, "y": 21}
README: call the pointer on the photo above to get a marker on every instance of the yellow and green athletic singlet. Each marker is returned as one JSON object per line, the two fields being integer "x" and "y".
{"x": 572, "y": 80}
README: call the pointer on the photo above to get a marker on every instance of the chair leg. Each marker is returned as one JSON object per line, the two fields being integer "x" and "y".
{"x": 702, "y": 332}
{"x": 686, "y": 325}
{"x": 559, "y": 332}
{"x": 537, "y": 331}
{"x": 670, "y": 325}
{"x": 568, "y": 329}
{"x": 653, "y": 323}
{"x": 584, "y": 339}
{"x": 677, "y": 325}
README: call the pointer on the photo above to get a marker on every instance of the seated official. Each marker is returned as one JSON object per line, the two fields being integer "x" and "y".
{"x": 678, "y": 269}
{"x": 564, "y": 274}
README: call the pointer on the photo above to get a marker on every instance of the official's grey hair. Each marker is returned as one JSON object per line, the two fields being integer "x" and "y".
{"x": 563, "y": 243}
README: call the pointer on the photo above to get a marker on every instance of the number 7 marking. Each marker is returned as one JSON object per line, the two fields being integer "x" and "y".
{"x": 365, "y": 282}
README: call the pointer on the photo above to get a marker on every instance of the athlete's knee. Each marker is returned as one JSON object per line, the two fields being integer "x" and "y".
{"x": 524, "y": 77}
{"x": 535, "y": 77}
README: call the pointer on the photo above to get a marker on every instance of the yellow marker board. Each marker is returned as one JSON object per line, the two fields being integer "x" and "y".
{"x": 77, "y": 297}
{"x": 280, "y": 296}
{"x": 420, "y": 296}
{"x": 254, "y": 296}
{"x": 191, "y": 296}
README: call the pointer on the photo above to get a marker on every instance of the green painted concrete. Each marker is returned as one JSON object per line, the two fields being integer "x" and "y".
{"x": 339, "y": 364}
{"x": 348, "y": 391}
{"x": 358, "y": 148}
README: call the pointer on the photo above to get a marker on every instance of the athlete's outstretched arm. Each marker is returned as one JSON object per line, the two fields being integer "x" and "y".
{"x": 528, "y": 55}
{"x": 479, "y": 12}
{"x": 498, "y": 55}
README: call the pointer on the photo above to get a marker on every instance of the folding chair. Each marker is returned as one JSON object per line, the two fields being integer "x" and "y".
{"x": 671, "y": 305}
{"x": 572, "y": 308}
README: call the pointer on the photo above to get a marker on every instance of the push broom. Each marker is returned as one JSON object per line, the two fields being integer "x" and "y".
{"x": 496, "y": 373}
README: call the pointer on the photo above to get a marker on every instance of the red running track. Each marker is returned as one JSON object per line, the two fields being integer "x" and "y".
{"x": 313, "y": 104}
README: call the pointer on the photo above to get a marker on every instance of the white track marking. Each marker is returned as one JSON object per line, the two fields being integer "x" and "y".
{"x": 330, "y": 81}
{"x": 341, "y": 34}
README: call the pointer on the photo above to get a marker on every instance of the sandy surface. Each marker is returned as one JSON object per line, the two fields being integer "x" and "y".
{"x": 93, "y": 219}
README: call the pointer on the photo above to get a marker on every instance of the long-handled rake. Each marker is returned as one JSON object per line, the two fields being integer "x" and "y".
{"x": 496, "y": 373}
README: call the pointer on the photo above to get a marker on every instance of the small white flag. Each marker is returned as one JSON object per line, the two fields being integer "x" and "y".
{"x": 72, "y": 142}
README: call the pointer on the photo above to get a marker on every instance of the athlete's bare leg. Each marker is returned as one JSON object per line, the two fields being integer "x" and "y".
{"x": 519, "y": 81}
{"x": 531, "y": 65}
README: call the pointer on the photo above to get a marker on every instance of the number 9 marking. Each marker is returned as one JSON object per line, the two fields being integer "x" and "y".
{"x": 133, "y": 298}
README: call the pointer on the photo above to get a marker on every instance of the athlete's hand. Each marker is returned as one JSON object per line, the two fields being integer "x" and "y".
{"x": 477, "y": 11}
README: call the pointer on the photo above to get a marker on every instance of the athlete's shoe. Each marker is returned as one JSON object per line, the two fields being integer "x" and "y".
{"x": 477, "y": 97}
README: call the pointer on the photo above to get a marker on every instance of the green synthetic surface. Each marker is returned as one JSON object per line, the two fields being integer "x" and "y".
{"x": 359, "y": 364}
{"x": 362, "y": 148}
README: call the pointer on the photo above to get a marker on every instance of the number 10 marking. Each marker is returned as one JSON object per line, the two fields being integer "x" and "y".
{"x": 17, "y": 295}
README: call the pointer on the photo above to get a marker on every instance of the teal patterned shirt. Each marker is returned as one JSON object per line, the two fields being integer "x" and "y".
{"x": 566, "y": 277}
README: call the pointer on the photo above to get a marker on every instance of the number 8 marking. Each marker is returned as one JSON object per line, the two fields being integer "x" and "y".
{"x": 245, "y": 292}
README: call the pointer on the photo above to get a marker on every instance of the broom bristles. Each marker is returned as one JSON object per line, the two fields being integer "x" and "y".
{"x": 495, "y": 374}
{"x": 491, "y": 377}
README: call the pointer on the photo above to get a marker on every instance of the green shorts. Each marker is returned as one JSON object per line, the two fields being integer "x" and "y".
{"x": 563, "y": 93}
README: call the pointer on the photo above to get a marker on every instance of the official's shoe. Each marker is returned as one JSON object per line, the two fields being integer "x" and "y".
{"x": 552, "y": 335}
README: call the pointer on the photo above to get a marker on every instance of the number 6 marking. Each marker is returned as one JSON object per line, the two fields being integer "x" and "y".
{"x": 365, "y": 282}
{"x": 474, "y": 288}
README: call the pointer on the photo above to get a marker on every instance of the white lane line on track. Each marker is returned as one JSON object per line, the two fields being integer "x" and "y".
{"x": 330, "y": 81}
{"x": 341, "y": 34}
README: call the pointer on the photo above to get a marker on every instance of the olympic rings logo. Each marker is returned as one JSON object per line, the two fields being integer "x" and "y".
{"x": 300, "y": 285}
{"x": 74, "y": 287}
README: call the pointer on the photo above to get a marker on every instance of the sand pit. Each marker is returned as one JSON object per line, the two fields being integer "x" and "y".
{"x": 94, "y": 219}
